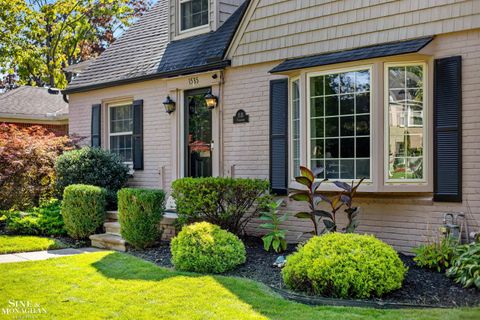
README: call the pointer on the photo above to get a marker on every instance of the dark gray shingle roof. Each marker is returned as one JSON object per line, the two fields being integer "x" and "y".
{"x": 33, "y": 103}
{"x": 144, "y": 52}
{"x": 376, "y": 51}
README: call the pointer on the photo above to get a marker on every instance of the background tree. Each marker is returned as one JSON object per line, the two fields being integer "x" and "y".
{"x": 39, "y": 38}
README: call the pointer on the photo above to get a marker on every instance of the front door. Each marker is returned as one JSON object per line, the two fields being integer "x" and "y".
{"x": 198, "y": 134}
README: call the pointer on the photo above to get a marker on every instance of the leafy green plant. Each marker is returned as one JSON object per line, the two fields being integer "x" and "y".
{"x": 436, "y": 254}
{"x": 344, "y": 265}
{"x": 227, "y": 202}
{"x": 344, "y": 199}
{"x": 43, "y": 220}
{"x": 465, "y": 267}
{"x": 275, "y": 238}
{"x": 83, "y": 209}
{"x": 205, "y": 247}
{"x": 140, "y": 212}
{"x": 92, "y": 166}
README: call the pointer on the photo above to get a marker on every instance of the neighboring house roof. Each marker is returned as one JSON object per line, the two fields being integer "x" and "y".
{"x": 33, "y": 103}
{"x": 376, "y": 51}
{"x": 144, "y": 52}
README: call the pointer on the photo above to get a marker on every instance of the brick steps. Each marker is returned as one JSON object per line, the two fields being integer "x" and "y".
{"x": 112, "y": 239}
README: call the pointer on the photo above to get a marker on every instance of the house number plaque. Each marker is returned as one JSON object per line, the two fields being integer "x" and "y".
{"x": 240, "y": 117}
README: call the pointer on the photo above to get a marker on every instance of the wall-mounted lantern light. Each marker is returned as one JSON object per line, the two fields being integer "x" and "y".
{"x": 169, "y": 105}
{"x": 211, "y": 100}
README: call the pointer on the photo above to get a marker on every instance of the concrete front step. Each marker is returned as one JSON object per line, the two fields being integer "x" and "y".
{"x": 112, "y": 215}
{"x": 112, "y": 227}
{"x": 109, "y": 241}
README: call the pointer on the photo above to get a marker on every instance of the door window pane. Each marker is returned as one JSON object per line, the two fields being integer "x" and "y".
{"x": 405, "y": 122}
{"x": 340, "y": 135}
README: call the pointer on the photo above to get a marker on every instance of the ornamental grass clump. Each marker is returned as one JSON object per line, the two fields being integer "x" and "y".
{"x": 206, "y": 248}
{"x": 344, "y": 266}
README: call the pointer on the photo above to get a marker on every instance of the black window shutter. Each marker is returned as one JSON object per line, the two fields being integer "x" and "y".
{"x": 138, "y": 135}
{"x": 96, "y": 127}
{"x": 279, "y": 136}
{"x": 448, "y": 129}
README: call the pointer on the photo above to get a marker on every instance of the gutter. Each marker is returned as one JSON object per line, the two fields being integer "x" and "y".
{"x": 165, "y": 74}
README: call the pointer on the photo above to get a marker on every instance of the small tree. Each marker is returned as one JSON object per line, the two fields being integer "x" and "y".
{"x": 27, "y": 159}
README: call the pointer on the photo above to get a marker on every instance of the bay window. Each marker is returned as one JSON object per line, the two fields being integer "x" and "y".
{"x": 406, "y": 124}
{"x": 121, "y": 130}
{"x": 339, "y": 135}
{"x": 340, "y": 121}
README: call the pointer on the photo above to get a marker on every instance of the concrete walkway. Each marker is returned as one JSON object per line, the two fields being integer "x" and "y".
{"x": 44, "y": 255}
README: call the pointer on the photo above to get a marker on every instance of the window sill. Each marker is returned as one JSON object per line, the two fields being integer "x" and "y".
{"x": 368, "y": 187}
{"x": 192, "y": 32}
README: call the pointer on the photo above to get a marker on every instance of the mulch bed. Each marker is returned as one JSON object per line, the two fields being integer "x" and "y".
{"x": 420, "y": 287}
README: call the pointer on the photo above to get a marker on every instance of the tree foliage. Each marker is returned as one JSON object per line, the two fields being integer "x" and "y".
{"x": 42, "y": 37}
{"x": 27, "y": 160}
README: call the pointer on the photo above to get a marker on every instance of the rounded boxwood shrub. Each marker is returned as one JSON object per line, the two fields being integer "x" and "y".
{"x": 140, "y": 212}
{"x": 344, "y": 265}
{"x": 205, "y": 247}
{"x": 83, "y": 209}
{"x": 92, "y": 166}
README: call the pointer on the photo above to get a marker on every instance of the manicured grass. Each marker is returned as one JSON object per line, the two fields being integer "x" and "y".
{"x": 107, "y": 285}
{"x": 13, "y": 244}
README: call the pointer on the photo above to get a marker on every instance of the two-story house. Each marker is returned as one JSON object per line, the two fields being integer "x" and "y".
{"x": 383, "y": 90}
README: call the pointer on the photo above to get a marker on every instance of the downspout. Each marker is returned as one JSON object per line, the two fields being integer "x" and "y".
{"x": 220, "y": 121}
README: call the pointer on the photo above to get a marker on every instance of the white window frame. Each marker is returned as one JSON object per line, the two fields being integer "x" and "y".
{"x": 290, "y": 125}
{"x": 310, "y": 75}
{"x": 426, "y": 119}
{"x": 203, "y": 26}
{"x": 110, "y": 134}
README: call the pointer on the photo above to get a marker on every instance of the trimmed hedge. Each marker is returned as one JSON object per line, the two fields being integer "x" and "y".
{"x": 205, "y": 247}
{"x": 344, "y": 266}
{"x": 140, "y": 212}
{"x": 92, "y": 166}
{"x": 83, "y": 209}
{"x": 227, "y": 202}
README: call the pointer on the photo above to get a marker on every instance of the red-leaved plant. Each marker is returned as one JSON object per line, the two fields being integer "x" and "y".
{"x": 27, "y": 159}
{"x": 313, "y": 197}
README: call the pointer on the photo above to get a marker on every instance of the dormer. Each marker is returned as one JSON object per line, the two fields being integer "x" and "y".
{"x": 192, "y": 17}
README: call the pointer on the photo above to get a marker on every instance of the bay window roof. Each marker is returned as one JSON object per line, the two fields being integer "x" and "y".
{"x": 376, "y": 51}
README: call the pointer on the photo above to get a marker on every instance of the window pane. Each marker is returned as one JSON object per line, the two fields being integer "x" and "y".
{"x": 194, "y": 13}
{"x": 406, "y": 123}
{"x": 296, "y": 128}
{"x": 121, "y": 119}
{"x": 122, "y": 145}
{"x": 340, "y": 124}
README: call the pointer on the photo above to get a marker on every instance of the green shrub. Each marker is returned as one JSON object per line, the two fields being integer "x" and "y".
{"x": 275, "y": 237}
{"x": 92, "y": 166}
{"x": 466, "y": 265}
{"x": 227, "y": 202}
{"x": 435, "y": 255}
{"x": 204, "y": 247}
{"x": 43, "y": 220}
{"x": 344, "y": 265}
{"x": 83, "y": 209}
{"x": 140, "y": 212}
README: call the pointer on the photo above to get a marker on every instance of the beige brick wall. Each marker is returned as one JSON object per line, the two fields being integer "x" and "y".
{"x": 156, "y": 122}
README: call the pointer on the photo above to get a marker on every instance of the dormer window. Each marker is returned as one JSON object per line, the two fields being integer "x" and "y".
{"x": 193, "y": 14}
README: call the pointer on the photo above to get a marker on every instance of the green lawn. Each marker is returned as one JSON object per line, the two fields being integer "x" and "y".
{"x": 108, "y": 285}
{"x": 12, "y": 244}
